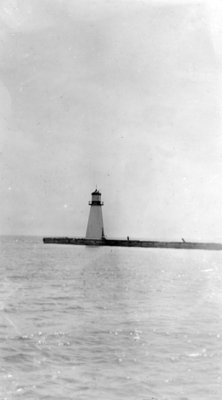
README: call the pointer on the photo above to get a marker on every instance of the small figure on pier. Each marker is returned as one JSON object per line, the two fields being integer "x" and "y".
{"x": 183, "y": 240}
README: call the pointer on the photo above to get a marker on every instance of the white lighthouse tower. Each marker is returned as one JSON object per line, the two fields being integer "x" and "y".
{"x": 95, "y": 229}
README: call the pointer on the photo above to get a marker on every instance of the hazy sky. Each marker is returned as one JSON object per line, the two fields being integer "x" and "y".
{"x": 125, "y": 95}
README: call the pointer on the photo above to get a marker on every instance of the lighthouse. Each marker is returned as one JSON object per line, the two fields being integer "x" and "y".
{"x": 95, "y": 229}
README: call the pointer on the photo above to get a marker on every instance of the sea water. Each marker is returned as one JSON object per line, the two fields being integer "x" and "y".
{"x": 106, "y": 323}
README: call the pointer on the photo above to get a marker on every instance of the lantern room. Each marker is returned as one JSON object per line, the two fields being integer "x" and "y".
{"x": 96, "y": 199}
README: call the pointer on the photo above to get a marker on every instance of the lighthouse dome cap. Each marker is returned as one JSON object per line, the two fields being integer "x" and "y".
{"x": 96, "y": 192}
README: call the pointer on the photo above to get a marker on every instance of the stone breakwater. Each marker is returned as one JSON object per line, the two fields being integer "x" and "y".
{"x": 133, "y": 243}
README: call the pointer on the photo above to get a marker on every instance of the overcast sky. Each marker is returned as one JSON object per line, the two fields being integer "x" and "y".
{"x": 125, "y": 95}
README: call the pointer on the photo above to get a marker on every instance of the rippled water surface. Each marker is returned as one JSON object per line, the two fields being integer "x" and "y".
{"x": 109, "y": 323}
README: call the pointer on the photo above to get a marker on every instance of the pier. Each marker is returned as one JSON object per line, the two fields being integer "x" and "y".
{"x": 133, "y": 243}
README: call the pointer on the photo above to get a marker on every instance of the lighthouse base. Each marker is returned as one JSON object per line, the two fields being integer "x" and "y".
{"x": 133, "y": 243}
